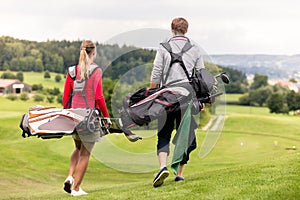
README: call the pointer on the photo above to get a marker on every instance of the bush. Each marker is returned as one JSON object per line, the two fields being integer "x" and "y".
{"x": 244, "y": 100}
{"x": 55, "y": 91}
{"x": 58, "y": 78}
{"x": 50, "y": 99}
{"x": 8, "y": 75}
{"x": 24, "y": 96}
{"x": 59, "y": 98}
{"x": 47, "y": 75}
{"x": 37, "y": 87}
{"x": 38, "y": 98}
{"x": 12, "y": 97}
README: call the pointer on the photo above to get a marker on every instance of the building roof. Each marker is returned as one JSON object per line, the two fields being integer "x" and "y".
{"x": 7, "y": 82}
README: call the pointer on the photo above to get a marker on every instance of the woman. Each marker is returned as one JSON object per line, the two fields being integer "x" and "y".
{"x": 94, "y": 98}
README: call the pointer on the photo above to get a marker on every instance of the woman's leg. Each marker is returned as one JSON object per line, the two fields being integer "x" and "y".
{"x": 74, "y": 157}
{"x": 82, "y": 164}
{"x": 73, "y": 163}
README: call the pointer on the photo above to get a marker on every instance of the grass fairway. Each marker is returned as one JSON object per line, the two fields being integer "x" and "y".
{"x": 33, "y": 168}
{"x": 38, "y": 78}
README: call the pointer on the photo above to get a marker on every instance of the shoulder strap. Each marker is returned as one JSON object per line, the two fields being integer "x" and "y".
{"x": 167, "y": 46}
{"x": 177, "y": 58}
{"x": 92, "y": 69}
{"x": 72, "y": 72}
{"x": 187, "y": 46}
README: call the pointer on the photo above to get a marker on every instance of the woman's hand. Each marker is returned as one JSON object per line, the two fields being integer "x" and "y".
{"x": 108, "y": 123}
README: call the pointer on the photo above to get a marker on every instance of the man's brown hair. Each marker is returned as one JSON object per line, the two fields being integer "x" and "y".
{"x": 179, "y": 25}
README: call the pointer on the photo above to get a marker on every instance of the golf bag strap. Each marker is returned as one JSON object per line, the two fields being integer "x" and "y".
{"x": 177, "y": 58}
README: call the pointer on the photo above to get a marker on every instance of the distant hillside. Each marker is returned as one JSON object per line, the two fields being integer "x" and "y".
{"x": 274, "y": 66}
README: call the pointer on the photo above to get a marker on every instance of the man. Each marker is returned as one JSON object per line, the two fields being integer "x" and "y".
{"x": 163, "y": 73}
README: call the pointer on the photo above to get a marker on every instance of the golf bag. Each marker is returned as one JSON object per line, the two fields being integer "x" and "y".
{"x": 55, "y": 123}
{"x": 49, "y": 123}
{"x": 146, "y": 105}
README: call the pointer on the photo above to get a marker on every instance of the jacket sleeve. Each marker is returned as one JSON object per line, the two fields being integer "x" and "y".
{"x": 158, "y": 67}
{"x": 199, "y": 64}
{"x": 99, "y": 97}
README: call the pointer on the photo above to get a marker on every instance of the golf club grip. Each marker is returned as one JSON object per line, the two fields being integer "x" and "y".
{"x": 211, "y": 96}
{"x": 216, "y": 94}
{"x": 115, "y": 130}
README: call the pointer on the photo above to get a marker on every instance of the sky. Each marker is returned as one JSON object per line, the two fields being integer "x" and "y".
{"x": 219, "y": 26}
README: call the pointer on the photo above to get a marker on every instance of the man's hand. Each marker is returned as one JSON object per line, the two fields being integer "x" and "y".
{"x": 202, "y": 107}
{"x": 153, "y": 85}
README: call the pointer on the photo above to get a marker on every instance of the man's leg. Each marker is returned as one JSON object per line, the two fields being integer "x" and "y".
{"x": 162, "y": 158}
{"x": 163, "y": 148}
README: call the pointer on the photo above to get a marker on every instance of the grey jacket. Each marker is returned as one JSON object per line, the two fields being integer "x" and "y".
{"x": 192, "y": 59}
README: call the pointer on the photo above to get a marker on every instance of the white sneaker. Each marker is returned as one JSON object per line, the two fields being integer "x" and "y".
{"x": 68, "y": 184}
{"x": 78, "y": 193}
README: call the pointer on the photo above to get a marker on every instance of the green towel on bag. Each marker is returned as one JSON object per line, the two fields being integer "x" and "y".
{"x": 181, "y": 139}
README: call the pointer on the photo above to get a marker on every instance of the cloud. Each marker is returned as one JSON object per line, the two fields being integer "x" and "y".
{"x": 231, "y": 26}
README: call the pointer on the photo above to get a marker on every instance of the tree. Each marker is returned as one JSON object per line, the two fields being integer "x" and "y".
{"x": 293, "y": 80}
{"x": 259, "y": 81}
{"x": 238, "y": 81}
{"x": 39, "y": 67}
{"x": 244, "y": 100}
{"x": 276, "y": 103}
{"x": 5, "y": 66}
{"x": 47, "y": 74}
{"x": 260, "y": 95}
{"x": 8, "y": 75}
{"x": 293, "y": 101}
{"x": 58, "y": 78}
{"x": 20, "y": 76}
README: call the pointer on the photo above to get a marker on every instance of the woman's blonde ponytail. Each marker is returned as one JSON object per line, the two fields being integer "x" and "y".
{"x": 87, "y": 48}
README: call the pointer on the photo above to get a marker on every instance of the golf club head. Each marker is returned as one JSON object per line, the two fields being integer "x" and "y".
{"x": 225, "y": 78}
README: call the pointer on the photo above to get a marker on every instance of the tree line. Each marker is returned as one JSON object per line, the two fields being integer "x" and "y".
{"x": 52, "y": 56}
{"x": 278, "y": 98}
{"x": 56, "y": 56}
